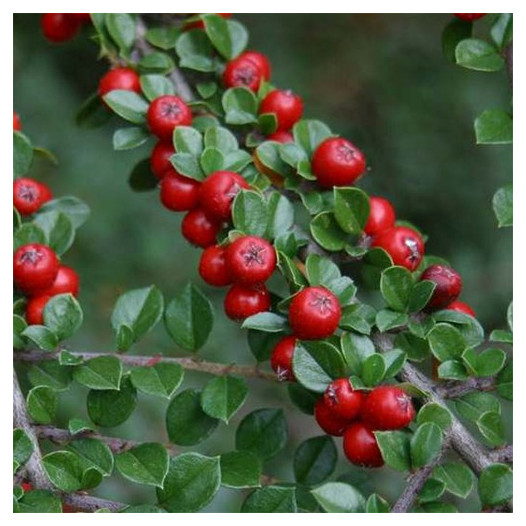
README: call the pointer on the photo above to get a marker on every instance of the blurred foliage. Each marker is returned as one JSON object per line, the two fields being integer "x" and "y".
{"x": 379, "y": 80}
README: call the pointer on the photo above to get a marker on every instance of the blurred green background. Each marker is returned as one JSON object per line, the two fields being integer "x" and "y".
{"x": 379, "y": 80}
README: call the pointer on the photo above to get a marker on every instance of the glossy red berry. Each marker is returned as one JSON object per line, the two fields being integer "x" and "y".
{"x": 17, "y": 125}
{"x": 35, "y": 310}
{"x": 337, "y": 162}
{"x": 26, "y": 486}
{"x": 244, "y": 301}
{"x": 387, "y": 407}
{"x": 314, "y": 313}
{"x": 213, "y": 268}
{"x": 281, "y": 136}
{"x": 281, "y": 359}
{"x": 403, "y": 244}
{"x": 165, "y": 113}
{"x": 119, "y": 79}
{"x": 242, "y": 72}
{"x": 84, "y": 18}
{"x": 328, "y": 421}
{"x": 66, "y": 281}
{"x": 218, "y": 191}
{"x": 260, "y": 60}
{"x": 250, "y": 260}
{"x": 35, "y": 267}
{"x": 381, "y": 216}
{"x": 460, "y": 306}
{"x": 29, "y": 195}
{"x": 160, "y": 158}
{"x": 285, "y": 105}
{"x": 59, "y": 27}
{"x": 198, "y": 229}
{"x": 361, "y": 447}
{"x": 343, "y": 400}
{"x": 179, "y": 193}
{"x": 448, "y": 285}
{"x": 469, "y": 17}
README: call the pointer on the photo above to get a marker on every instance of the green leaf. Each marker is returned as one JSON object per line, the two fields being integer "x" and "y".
{"x": 189, "y": 318}
{"x": 315, "y": 460}
{"x": 92, "y": 113}
{"x": 316, "y": 364}
{"x": 207, "y": 89}
{"x": 302, "y": 398}
{"x": 19, "y": 325}
{"x": 356, "y": 349}
{"x": 473, "y": 405}
{"x": 64, "y": 470}
{"x": 121, "y": 27}
{"x": 188, "y": 140}
{"x": 129, "y": 138}
{"x": 154, "y": 86}
{"x": 265, "y": 321}
{"x": 41, "y": 336}
{"x": 436, "y": 507}
{"x": 436, "y": 414}
{"x": 124, "y": 338}
{"x": 93, "y": 454}
{"x": 58, "y": 229}
{"x": 477, "y": 54}
{"x": 22, "y": 154}
{"x": 321, "y": 270}
{"x": 128, "y": 105}
{"x": 186, "y": 423}
{"x": 394, "y": 361}
{"x": 502, "y": 30}
{"x": 291, "y": 272}
{"x": 77, "y": 425}
{"x": 76, "y": 210}
{"x": 223, "y": 396}
{"x": 188, "y": 165}
{"x": 491, "y": 427}
{"x": 195, "y": 51}
{"x": 63, "y": 315}
{"x": 212, "y": 160}
{"x": 452, "y": 370}
{"x": 142, "y": 508}
{"x": 144, "y": 464}
{"x": 271, "y": 499}
{"x": 308, "y": 134}
{"x": 240, "y": 469}
{"x": 22, "y": 446}
{"x": 138, "y": 309}
{"x": 509, "y": 316}
{"x": 396, "y": 285}
{"x": 498, "y": 335}
{"x": 420, "y": 295}
{"x": 112, "y": 408}
{"x": 269, "y": 155}
{"x": 432, "y": 490}
{"x": 327, "y": 233}
{"x": 469, "y": 327}
{"x": 387, "y": 319}
{"x": 262, "y": 344}
{"x": 456, "y": 31}
{"x": 100, "y": 373}
{"x": 376, "y": 504}
{"x": 161, "y": 379}
{"x": 358, "y": 317}
{"x": 395, "y": 449}
{"x": 249, "y": 213}
{"x": 505, "y": 381}
{"x": 338, "y": 497}
{"x": 163, "y": 37}
{"x": 280, "y": 215}
{"x": 216, "y": 28}
{"x": 487, "y": 363}
{"x": 495, "y": 485}
{"x": 240, "y": 105}
{"x": 69, "y": 359}
{"x": 373, "y": 369}
{"x": 51, "y": 374}
{"x": 503, "y": 206}
{"x": 191, "y": 483}
{"x": 351, "y": 209}
{"x": 156, "y": 63}
{"x": 426, "y": 444}
{"x": 494, "y": 126}
{"x": 42, "y": 404}
{"x": 39, "y": 501}
{"x": 263, "y": 432}
{"x": 446, "y": 342}
{"x": 222, "y": 139}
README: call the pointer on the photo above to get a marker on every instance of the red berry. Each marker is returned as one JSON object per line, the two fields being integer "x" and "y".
{"x": 35, "y": 267}
{"x": 35, "y": 310}
{"x": 59, "y": 27}
{"x": 66, "y": 281}
{"x": 179, "y": 193}
{"x": 165, "y": 113}
{"x": 361, "y": 447}
{"x": 261, "y": 62}
{"x": 387, "y": 407}
{"x": 29, "y": 195}
{"x": 242, "y": 72}
{"x": 242, "y": 302}
{"x": 84, "y": 18}
{"x": 198, "y": 229}
{"x": 448, "y": 285}
{"x": 26, "y": 486}
{"x": 213, "y": 268}
{"x": 17, "y": 125}
{"x": 314, "y": 313}
{"x": 337, "y": 162}
{"x": 119, "y": 79}
{"x": 287, "y": 107}
{"x": 469, "y": 17}
{"x": 460, "y": 306}
{"x": 281, "y": 359}
{"x": 381, "y": 216}
{"x": 343, "y": 400}
{"x": 328, "y": 421}
{"x": 160, "y": 158}
{"x": 218, "y": 191}
{"x": 250, "y": 260}
{"x": 403, "y": 244}
{"x": 281, "y": 136}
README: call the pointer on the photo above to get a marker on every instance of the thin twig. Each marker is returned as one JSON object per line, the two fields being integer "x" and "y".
{"x": 456, "y": 389}
{"x": 88, "y": 503}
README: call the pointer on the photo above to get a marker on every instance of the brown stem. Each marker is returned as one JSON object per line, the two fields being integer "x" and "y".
{"x": 456, "y": 389}
{"x": 88, "y": 503}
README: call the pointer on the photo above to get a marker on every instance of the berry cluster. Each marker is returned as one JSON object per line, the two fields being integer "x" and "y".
{"x": 60, "y": 27}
